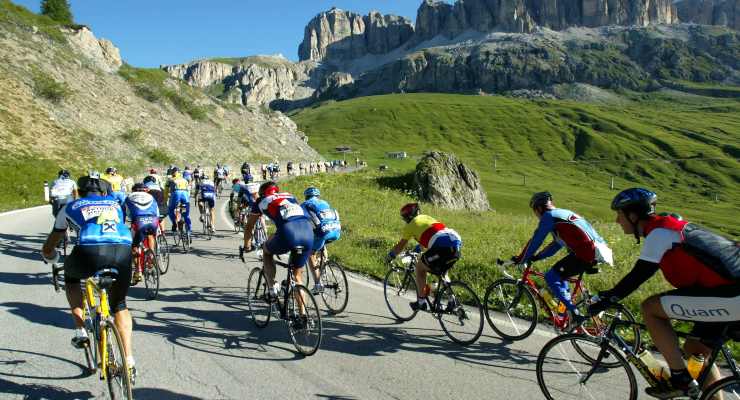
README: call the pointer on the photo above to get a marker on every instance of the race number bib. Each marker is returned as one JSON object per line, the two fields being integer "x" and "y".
{"x": 289, "y": 210}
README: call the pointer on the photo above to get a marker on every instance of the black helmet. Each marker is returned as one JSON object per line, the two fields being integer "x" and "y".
{"x": 63, "y": 173}
{"x": 636, "y": 200}
{"x": 540, "y": 199}
{"x": 91, "y": 184}
{"x": 110, "y": 170}
{"x": 149, "y": 179}
{"x": 410, "y": 211}
{"x": 140, "y": 187}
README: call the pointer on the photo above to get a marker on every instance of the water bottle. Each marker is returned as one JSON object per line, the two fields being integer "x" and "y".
{"x": 695, "y": 365}
{"x": 656, "y": 368}
{"x": 549, "y": 300}
{"x": 426, "y": 290}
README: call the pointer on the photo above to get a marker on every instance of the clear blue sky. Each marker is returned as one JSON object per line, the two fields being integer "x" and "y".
{"x": 154, "y": 32}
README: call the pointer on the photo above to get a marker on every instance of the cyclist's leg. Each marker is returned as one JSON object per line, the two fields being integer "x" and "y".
{"x": 557, "y": 276}
{"x": 77, "y": 266}
{"x": 318, "y": 245}
{"x": 211, "y": 204}
{"x": 186, "y": 200}
{"x": 119, "y": 257}
{"x": 171, "y": 210}
{"x": 272, "y": 246}
{"x": 693, "y": 345}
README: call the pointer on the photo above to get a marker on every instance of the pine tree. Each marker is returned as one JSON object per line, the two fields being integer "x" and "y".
{"x": 58, "y": 10}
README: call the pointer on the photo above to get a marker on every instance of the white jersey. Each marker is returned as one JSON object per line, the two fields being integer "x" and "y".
{"x": 63, "y": 187}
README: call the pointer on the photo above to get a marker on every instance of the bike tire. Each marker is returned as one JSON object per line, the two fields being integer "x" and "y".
{"x": 559, "y": 361}
{"x": 399, "y": 289}
{"x": 259, "y": 307}
{"x": 209, "y": 225}
{"x": 185, "y": 239}
{"x": 728, "y": 385}
{"x": 307, "y": 338}
{"x": 518, "y": 306}
{"x": 91, "y": 350}
{"x": 598, "y": 325}
{"x": 151, "y": 274}
{"x": 336, "y": 287}
{"x": 117, "y": 373}
{"x": 55, "y": 277}
{"x": 163, "y": 253}
{"x": 461, "y": 322}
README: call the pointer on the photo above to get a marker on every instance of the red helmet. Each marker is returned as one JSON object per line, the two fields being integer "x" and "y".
{"x": 268, "y": 188}
{"x": 409, "y": 211}
{"x": 235, "y": 181}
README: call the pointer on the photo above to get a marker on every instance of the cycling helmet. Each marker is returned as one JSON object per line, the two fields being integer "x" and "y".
{"x": 268, "y": 188}
{"x": 235, "y": 181}
{"x": 187, "y": 167}
{"x": 93, "y": 174}
{"x": 152, "y": 171}
{"x": 140, "y": 187}
{"x": 91, "y": 184}
{"x": 635, "y": 200}
{"x": 63, "y": 173}
{"x": 149, "y": 179}
{"x": 540, "y": 199}
{"x": 174, "y": 171}
{"x": 410, "y": 211}
{"x": 311, "y": 192}
{"x": 110, "y": 170}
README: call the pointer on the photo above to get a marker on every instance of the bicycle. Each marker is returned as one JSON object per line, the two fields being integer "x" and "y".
{"x": 148, "y": 261}
{"x": 241, "y": 219}
{"x": 104, "y": 350}
{"x": 182, "y": 237}
{"x": 205, "y": 214}
{"x": 297, "y": 307}
{"x": 593, "y": 378}
{"x": 55, "y": 270}
{"x": 399, "y": 286}
{"x": 162, "y": 250}
{"x": 335, "y": 292}
{"x": 514, "y": 299}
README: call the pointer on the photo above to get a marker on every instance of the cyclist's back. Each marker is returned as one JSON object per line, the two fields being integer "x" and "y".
{"x": 179, "y": 194}
{"x": 63, "y": 190}
{"x": 143, "y": 211}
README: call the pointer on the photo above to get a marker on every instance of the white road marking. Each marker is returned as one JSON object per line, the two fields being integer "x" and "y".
{"x": 23, "y": 210}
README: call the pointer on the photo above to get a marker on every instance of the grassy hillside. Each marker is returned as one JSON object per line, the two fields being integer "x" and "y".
{"x": 685, "y": 147}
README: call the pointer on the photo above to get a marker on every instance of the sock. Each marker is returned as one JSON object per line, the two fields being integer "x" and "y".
{"x": 421, "y": 301}
{"x": 680, "y": 377}
{"x": 80, "y": 332}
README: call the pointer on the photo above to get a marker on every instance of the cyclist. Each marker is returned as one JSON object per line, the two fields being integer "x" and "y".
{"x": 292, "y": 229}
{"x": 104, "y": 241}
{"x": 246, "y": 171}
{"x": 178, "y": 194}
{"x": 219, "y": 175}
{"x": 155, "y": 176}
{"x": 442, "y": 243}
{"x": 187, "y": 174}
{"x": 196, "y": 174}
{"x": 143, "y": 211}
{"x": 699, "y": 287}
{"x": 205, "y": 192}
{"x": 585, "y": 247}
{"x": 327, "y": 229}
{"x": 116, "y": 183}
{"x": 156, "y": 191}
{"x": 63, "y": 190}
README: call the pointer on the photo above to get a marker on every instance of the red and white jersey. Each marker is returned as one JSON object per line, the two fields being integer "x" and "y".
{"x": 280, "y": 208}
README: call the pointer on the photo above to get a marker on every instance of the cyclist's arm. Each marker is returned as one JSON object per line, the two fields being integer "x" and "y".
{"x": 543, "y": 229}
{"x": 641, "y": 272}
{"x": 57, "y": 234}
{"x": 399, "y": 247}
{"x": 548, "y": 251}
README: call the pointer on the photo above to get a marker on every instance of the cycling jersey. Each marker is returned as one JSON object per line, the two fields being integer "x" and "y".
{"x": 430, "y": 233}
{"x": 98, "y": 219}
{"x": 63, "y": 187}
{"x": 220, "y": 173}
{"x": 207, "y": 192}
{"x": 116, "y": 182}
{"x": 178, "y": 183}
{"x": 141, "y": 204}
{"x": 325, "y": 219}
{"x": 280, "y": 208}
{"x": 187, "y": 175}
{"x": 569, "y": 230}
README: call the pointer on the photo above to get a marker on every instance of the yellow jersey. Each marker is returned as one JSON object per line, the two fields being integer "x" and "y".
{"x": 116, "y": 181}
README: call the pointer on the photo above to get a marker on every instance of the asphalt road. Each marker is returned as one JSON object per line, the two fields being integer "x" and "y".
{"x": 196, "y": 340}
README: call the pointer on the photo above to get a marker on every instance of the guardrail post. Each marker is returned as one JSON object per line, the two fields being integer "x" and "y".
{"x": 46, "y": 191}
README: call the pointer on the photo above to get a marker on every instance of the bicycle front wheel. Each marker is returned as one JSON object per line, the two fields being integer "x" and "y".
{"x": 510, "y": 309}
{"x": 163, "y": 254}
{"x": 461, "y": 314}
{"x": 563, "y": 373}
{"x": 304, "y": 320}
{"x": 257, "y": 298}
{"x": 726, "y": 389}
{"x": 151, "y": 274}
{"x": 117, "y": 372}
{"x": 598, "y": 325}
{"x": 185, "y": 239}
{"x": 399, "y": 289}
{"x": 336, "y": 287}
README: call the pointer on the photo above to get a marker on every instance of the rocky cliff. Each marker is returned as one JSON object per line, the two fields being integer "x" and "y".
{"x": 710, "y": 12}
{"x": 442, "y": 179}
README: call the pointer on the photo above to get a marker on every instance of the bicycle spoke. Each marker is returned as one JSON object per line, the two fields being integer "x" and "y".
{"x": 304, "y": 320}
{"x": 510, "y": 309}
{"x": 463, "y": 323}
{"x": 399, "y": 289}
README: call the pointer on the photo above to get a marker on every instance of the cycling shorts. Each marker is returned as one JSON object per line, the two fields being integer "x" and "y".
{"x": 709, "y": 308}
{"x": 440, "y": 259}
{"x": 571, "y": 265}
{"x": 143, "y": 226}
{"x": 86, "y": 260}
{"x": 290, "y": 235}
{"x": 58, "y": 203}
{"x": 208, "y": 200}
{"x": 320, "y": 241}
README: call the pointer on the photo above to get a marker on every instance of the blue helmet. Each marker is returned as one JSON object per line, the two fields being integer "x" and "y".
{"x": 311, "y": 192}
{"x": 637, "y": 200}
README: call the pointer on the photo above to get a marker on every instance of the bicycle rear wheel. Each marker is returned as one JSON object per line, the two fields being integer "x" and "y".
{"x": 399, "y": 289}
{"x": 91, "y": 353}
{"x": 510, "y": 309}
{"x": 163, "y": 253}
{"x": 463, "y": 323}
{"x": 561, "y": 370}
{"x": 336, "y": 288}
{"x": 185, "y": 238}
{"x": 151, "y": 274}
{"x": 726, "y": 389}
{"x": 117, "y": 373}
{"x": 257, "y": 298}
{"x": 304, "y": 323}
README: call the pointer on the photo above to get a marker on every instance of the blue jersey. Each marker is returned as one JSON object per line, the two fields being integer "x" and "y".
{"x": 141, "y": 205}
{"x": 187, "y": 175}
{"x": 325, "y": 219}
{"x": 569, "y": 230}
{"x": 98, "y": 219}
{"x": 207, "y": 189}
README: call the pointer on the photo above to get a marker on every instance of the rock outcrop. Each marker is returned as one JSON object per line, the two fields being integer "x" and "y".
{"x": 442, "y": 179}
{"x": 102, "y": 53}
{"x": 338, "y": 35}
{"x": 710, "y": 12}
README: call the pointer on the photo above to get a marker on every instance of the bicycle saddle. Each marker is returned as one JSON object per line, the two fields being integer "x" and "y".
{"x": 106, "y": 277}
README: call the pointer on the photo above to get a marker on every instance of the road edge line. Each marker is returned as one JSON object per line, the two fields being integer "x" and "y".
{"x": 21, "y": 210}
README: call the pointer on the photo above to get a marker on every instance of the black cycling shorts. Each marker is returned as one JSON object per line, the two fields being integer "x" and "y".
{"x": 440, "y": 259}
{"x": 709, "y": 308}
{"x": 570, "y": 266}
{"x": 86, "y": 260}
{"x": 58, "y": 203}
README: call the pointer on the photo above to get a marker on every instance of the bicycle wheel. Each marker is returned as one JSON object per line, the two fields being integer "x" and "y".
{"x": 163, "y": 253}
{"x": 237, "y": 225}
{"x": 209, "y": 225}
{"x": 304, "y": 320}
{"x": 185, "y": 239}
{"x": 116, "y": 373}
{"x": 257, "y": 301}
{"x": 151, "y": 274}
{"x": 510, "y": 309}
{"x": 461, "y": 314}
{"x": 725, "y": 389}
{"x": 91, "y": 353}
{"x": 399, "y": 289}
{"x": 598, "y": 325}
{"x": 336, "y": 287}
{"x": 561, "y": 371}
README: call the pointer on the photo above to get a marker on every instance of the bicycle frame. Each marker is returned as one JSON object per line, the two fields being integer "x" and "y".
{"x": 102, "y": 312}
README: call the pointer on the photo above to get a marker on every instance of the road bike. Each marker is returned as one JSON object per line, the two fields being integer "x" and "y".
{"x": 582, "y": 366}
{"x": 455, "y": 305}
{"x": 183, "y": 236}
{"x": 147, "y": 264}
{"x": 241, "y": 219}
{"x": 162, "y": 250}
{"x": 260, "y": 237}
{"x": 513, "y": 312}
{"x": 335, "y": 288}
{"x": 205, "y": 217}
{"x": 104, "y": 350}
{"x": 294, "y": 304}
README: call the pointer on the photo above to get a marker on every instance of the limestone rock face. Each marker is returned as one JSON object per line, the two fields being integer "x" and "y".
{"x": 710, "y": 12}
{"x": 102, "y": 53}
{"x": 442, "y": 179}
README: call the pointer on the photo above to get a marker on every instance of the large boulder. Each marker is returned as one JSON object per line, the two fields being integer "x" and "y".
{"x": 442, "y": 179}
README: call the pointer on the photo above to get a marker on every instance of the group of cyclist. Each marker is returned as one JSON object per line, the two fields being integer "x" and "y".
{"x": 99, "y": 215}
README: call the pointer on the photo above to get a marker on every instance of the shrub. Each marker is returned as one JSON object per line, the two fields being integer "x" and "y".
{"x": 45, "y": 86}
{"x": 57, "y": 10}
{"x": 160, "y": 156}
{"x": 133, "y": 135}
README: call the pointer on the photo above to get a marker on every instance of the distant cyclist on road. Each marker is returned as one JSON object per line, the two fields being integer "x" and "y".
{"x": 178, "y": 191}
{"x": 219, "y": 175}
{"x": 187, "y": 174}
{"x": 63, "y": 190}
{"x": 246, "y": 171}
{"x": 205, "y": 192}
{"x": 327, "y": 229}
{"x": 585, "y": 247}
{"x": 442, "y": 246}
{"x": 104, "y": 241}
{"x": 116, "y": 183}
{"x": 143, "y": 212}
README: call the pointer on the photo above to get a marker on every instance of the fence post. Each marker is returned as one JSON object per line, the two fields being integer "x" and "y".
{"x": 46, "y": 191}
{"x": 611, "y": 184}
{"x": 495, "y": 162}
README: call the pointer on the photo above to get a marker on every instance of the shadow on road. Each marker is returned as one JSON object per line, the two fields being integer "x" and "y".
{"x": 15, "y": 363}
{"x": 41, "y": 315}
{"x": 27, "y": 247}
{"x": 160, "y": 394}
{"x": 36, "y": 391}
{"x": 23, "y": 279}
